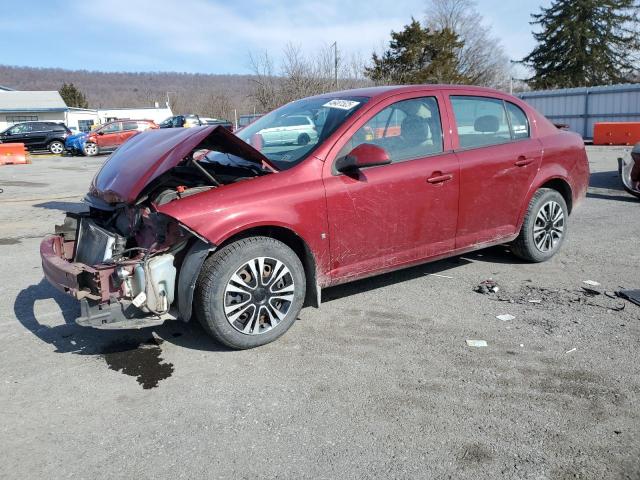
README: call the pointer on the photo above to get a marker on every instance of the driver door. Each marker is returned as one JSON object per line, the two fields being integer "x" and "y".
{"x": 386, "y": 216}
{"x": 109, "y": 135}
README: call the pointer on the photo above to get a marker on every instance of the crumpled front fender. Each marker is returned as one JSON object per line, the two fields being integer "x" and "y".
{"x": 188, "y": 276}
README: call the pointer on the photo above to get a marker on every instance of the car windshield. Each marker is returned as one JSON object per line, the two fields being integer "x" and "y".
{"x": 289, "y": 134}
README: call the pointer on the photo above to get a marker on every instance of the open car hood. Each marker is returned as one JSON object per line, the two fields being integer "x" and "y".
{"x": 149, "y": 154}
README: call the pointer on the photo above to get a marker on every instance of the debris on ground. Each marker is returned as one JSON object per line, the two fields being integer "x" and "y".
{"x": 591, "y": 292}
{"x": 632, "y": 295}
{"x": 571, "y": 351}
{"x": 476, "y": 343}
{"x": 593, "y": 283}
{"x": 552, "y": 298}
{"x": 438, "y": 275}
{"x": 486, "y": 287}
{"x": 505, "y": 317}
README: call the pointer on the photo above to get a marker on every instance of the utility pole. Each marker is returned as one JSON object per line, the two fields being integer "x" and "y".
{"x": 335, "y": 63}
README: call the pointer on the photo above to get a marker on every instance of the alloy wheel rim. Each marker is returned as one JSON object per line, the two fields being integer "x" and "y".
{"x": 56, "y": 147}
{"x": 259, "y": 295}
{"x": 90, "y": 148}
{"x": 548, "y": 228}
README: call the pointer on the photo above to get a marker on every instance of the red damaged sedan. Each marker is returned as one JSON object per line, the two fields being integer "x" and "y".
{"x": 240, "y": 231}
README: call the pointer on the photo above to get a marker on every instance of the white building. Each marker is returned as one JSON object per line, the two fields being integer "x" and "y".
{"x": 156, "y": 114}
{"x": 26, "y": 106}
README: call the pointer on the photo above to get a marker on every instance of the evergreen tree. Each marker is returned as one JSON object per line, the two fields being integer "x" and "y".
{"x": 584, "y": 43}
{"x": 72, "y": 96}
{"x": 418, "y": 55}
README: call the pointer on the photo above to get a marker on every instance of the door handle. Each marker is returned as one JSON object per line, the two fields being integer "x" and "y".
{"x": 439, "y": 177}
{"x": 523, "y": 161}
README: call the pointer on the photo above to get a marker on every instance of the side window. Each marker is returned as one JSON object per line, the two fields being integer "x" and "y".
{"x": 519, "y": 122}
{"x": 406, "y": 130}
{"x": 22, "y": 128}
{"x": 128, "y": 126}
{"x": 481, "y": 121}
{"x": 112, "y": 128}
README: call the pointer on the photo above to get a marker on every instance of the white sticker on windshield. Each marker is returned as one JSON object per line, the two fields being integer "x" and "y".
{"x": 341, "y": 104}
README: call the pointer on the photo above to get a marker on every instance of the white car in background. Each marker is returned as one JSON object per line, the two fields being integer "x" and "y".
{"x": 296, "y": 129}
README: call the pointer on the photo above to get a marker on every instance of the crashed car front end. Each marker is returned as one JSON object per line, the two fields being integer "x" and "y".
{"x": 129, "y": 265}
{"x": 90, "y": 258}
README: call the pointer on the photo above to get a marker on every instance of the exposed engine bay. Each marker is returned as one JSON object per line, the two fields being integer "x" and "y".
{"x": 126, "y": 257}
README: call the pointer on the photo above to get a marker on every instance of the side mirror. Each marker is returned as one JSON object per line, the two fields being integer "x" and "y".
{"x": 364, "y": 155}
{"x": 100, "y": 133}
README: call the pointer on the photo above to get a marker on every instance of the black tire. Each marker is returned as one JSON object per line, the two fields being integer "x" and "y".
{"x": 303, "y": 139}
{"x": 210, "y": 296}
{"x": 56, "y": 147}
{"x": 90, "y": 149}
{"x": 525, "y": 245}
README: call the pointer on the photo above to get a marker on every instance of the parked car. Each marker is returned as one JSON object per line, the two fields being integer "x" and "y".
{"x": 74, "y": 144}
{"x": 241, "y": 237}
{"x": 180, "y": 121}
{"x": 37, "y": 135}
{"x": 294, "y": 129}
{"x": 629, "y": 171}
{"x": 111, "y": 135}
{"x": 217, "y": 121}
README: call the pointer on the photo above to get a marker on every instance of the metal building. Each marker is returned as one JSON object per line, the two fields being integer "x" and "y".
{"x": 581, "y": 107}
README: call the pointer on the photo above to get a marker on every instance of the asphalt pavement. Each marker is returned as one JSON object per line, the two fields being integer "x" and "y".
{"x": 378, "y": 383}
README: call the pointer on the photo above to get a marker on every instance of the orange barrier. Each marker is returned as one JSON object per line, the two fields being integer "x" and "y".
{"x": 616, "y": 133}
{"x": 13, "y": 154}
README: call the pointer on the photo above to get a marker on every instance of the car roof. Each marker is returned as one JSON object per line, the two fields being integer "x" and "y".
{"x": 386, "y": 91}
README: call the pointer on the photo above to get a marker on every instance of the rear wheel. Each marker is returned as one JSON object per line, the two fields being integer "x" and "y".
{"x": 250, "y": 292}
{"x": 90, "y": 149}
{"x": 56, "y": 147}
{"x": 544, "y": 228}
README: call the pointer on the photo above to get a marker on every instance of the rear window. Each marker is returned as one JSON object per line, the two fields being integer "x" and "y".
{"x": 480, "y": 121}
{"x": 519, "y": 121}
{"x": 295, "y": 121}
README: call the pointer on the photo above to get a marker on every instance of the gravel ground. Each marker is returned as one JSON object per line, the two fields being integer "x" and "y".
{"x": 378, "y": 383}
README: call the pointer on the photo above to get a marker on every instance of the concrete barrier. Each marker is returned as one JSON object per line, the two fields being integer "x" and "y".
{"x": 13, "y": 154}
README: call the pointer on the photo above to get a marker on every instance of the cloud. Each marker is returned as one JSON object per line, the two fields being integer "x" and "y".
{"x": 200, "y": 32}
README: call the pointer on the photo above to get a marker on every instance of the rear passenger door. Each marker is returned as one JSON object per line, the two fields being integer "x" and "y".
{"x": 498, "y": 161}
{"x": 129, "y": 129}
{"x": 39, "y": 134}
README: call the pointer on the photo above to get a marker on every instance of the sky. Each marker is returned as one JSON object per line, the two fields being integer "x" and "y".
{"x": 213, "y": 36}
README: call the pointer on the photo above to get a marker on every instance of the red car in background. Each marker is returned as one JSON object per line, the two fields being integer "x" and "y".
{"x": 240, "y": 234}
{"x": 111, "y": 135}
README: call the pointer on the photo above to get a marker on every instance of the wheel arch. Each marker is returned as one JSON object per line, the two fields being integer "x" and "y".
{"x": 296, "y": 243}
{"x": 562, "y": 187}
{"x": 555, "y": 181}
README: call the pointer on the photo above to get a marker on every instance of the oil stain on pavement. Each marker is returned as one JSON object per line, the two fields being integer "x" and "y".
{"x": 138, "y": 359}
{"x": 9, "y": 241}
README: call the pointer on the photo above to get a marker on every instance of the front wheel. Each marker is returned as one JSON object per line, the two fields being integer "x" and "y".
{"x": 90, "y": 149}
{"x": 56, "y": 147}
{"x": 250, "y": 292}
{"x": 544, "y": 228}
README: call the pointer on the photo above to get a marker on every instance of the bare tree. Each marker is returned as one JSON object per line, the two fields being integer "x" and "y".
{"x": 265, "y": 88}
{"x": 301, "y": 75}
{"x": 481, "y": 58}
{"x": 217, "y": 105}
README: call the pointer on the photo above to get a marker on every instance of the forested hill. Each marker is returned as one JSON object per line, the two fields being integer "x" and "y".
{"x": 212, "y": 95}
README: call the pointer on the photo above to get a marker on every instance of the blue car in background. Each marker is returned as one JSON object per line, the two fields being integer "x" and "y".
{"x": 74, "y": 144}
